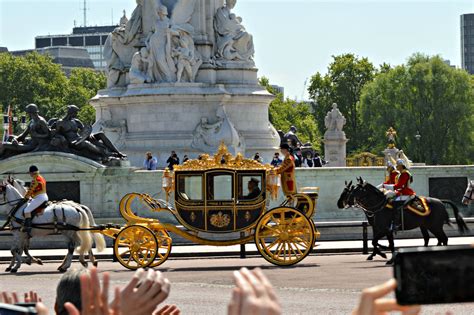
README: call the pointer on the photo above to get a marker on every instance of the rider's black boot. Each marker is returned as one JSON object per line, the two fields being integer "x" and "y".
{"x": 27, "y": 226}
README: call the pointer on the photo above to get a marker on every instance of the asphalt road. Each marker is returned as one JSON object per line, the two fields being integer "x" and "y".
{"x": 328, "y": 284}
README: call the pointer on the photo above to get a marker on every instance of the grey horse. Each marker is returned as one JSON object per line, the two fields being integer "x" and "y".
{"x": 68, "y": 212}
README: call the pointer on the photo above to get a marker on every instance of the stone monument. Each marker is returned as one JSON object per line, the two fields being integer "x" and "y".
{"x": 392, "y": 153}
{"x": 181, "y": 76}
{"x": 334, "y": 138}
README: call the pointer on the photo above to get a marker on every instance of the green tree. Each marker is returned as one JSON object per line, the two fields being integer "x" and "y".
{"x": 285, "y": 113}
{"x": 428, "y": 97}
{"x": 347, "y": 75}
{"x": 34, "y": 78}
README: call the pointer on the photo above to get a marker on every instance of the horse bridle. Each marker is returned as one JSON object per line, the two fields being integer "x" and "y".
{"x": 470, "y": 195}
{"x": 368, "y": 210}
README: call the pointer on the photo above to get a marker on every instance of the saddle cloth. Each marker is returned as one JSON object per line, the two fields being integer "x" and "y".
{"x": 417, "y": 205}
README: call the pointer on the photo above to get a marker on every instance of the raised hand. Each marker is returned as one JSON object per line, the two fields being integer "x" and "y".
{"x": 373, "y": 303}
{"x": 253, "y": 295}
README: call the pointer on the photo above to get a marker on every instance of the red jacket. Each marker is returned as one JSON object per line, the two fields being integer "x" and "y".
{"x": 392, "y": 178}
{"x": 402, "y": 187}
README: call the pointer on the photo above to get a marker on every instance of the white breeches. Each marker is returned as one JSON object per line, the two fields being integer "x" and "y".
{"x": 402, "y": 198}
{"x": 36, "y": 202}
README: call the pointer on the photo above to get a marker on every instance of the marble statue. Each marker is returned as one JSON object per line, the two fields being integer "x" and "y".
{"x": 37, "y": 130}
{"x": 120, "y": 47}
{"x": 140, "y": 70}
{"x": 123, "y": 19}
{"x": 334, "y": 120}
{"x": 207, "y": 136}
{"x": 335, "y": 138}
{"x": 233, "y": 42}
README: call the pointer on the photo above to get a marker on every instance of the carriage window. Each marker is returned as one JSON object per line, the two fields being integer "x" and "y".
{"x": 220, "y": 187}
{"x": 190, "y": 187}
{"x": 250, "y": 186}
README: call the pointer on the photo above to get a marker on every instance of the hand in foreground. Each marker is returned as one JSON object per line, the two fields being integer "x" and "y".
{"x": 168, "y": 310}
{"x": 373, "y": 303}
{"x": 144, "y": 293}
{"x": 254, "y": 294}
{"x": 94, "y": 298}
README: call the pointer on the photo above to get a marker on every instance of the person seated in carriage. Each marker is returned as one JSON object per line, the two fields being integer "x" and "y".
{"x": 254, "y": 190}
{"x": 38, "y": 195}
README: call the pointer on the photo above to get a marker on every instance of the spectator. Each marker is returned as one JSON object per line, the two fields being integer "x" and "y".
{"x": 150, "y": 162}
{"x": 257, "y": 157}
{"x": 68, "y": 290}
{"x": 308, "y": 160}
{"x": 276, "y": 160}
{"x": 185, "y": 159}
{"x": 318, "y": 161}
{"x": 172, "y": 160}
{"x": 298, "y": 157}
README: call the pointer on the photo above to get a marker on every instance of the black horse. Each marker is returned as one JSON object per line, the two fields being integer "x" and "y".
{"x": 374, "y": 202}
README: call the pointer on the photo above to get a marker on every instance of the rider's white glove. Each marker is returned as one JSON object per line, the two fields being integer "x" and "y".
{"x": 389, "y": 187}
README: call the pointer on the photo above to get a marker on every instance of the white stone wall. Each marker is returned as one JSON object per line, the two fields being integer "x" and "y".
{"x": 102, "y": 188}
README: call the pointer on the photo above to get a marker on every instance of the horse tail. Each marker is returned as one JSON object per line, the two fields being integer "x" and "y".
{"x": 98, "y": 238}
{"x": 462, "y": 226}
{"x": 84, "y": 236}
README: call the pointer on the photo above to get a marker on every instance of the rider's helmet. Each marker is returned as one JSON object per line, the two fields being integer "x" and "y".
{"x": 402, "y": 163}
{"x": 72, "y": 109}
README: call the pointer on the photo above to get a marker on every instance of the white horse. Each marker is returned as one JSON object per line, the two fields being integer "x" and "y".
{"x": 469, "y": 194}
{"x": 66, "y": 216}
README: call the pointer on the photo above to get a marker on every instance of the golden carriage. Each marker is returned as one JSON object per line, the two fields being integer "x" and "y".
{"x": 211, "y": 196}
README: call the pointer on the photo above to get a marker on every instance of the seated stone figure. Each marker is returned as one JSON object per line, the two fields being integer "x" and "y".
{"x": 79, "y": 137}
{"x": 38, "y": 132}
{"x": 233, "y": 41}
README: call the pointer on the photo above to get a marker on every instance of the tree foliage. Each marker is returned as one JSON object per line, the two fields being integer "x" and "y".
{"x": 285, "y": 113}
{"x": 427, "y": 96}
{"x": 347, "y": 75}
{"x": 34, "y": 78}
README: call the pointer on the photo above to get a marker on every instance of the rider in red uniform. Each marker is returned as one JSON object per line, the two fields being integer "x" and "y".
{"x": 392, "y": 174}
{"x": 402, "y": 186}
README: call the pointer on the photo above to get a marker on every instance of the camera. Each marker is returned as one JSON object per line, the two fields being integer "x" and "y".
{"x": 434, "y": 275}
{"x": 17, "y": 309}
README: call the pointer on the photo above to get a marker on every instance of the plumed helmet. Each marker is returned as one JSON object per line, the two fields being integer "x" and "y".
{"x": 293, "y": 128}
{"x": 31, "y": 109}
{"x": 401, "y": 162}
{"x": 389, "y": 164}
{"x": 34, "y": 169}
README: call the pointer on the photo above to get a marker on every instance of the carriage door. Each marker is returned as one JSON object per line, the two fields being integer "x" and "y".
{"x": 220, "y": 201}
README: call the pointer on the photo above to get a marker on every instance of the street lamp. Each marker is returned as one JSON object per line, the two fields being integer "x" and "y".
{"x": 14, "y": 120}
{"x": 418, "y": 138}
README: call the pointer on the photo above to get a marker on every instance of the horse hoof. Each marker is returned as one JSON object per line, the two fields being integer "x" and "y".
{"x": 28, "y": 262}
{"x": 39, "y": 262}
{"x": 390, "y": 262}
{"x": 8, "y": 269}
{"x": 95, "y": 263}
{"x": 370, "y": 258}
{"x": 13, "y": 270}
{"x": 383, "y": 255}
{"x": 84, "y": 264}
{"x": 62, "y": 270}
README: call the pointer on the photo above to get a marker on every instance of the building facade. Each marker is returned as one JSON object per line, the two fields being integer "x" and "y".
{"x": 467, "y": 42}
{"x": 92, "y": 38}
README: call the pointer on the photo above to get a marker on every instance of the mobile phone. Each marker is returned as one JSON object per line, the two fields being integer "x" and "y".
{"x": 434, "y": 275}
{"x": 9, "y": 309}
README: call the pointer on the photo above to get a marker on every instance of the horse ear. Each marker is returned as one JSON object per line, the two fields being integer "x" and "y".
{"x": 350, "y": 184}
{"x": 345, "y": 183}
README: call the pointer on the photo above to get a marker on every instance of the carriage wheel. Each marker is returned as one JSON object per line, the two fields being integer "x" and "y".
{"x": 164, "y": 247}
{"x": 135, "y": 247}
{"x": 284, "y": 236}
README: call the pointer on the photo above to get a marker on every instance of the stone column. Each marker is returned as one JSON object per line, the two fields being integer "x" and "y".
{"x": 335, "y": 139}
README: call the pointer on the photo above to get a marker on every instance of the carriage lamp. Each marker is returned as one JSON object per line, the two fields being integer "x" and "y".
{"x": 167, "y": 183}
{"x": 273, "y": 183}
{"x": 23, "y": 122}
{"x": 6, "y": 122}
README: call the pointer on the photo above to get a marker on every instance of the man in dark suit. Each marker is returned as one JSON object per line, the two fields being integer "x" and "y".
{"x": 254, "y": 190}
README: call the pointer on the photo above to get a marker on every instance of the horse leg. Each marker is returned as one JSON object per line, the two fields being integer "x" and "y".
{"x": 12, "y": 262}
{"x": 92, "y": 258}
{"x": 391, "y": 245}
{"x": 426, "y": 235}
{"x": 68, "y": 259}
{"x": 29, "y": 258}
{"x": 441, "y": 236}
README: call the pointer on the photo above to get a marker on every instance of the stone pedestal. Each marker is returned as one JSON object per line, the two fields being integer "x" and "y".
{"x": 165, "y": 117}
{"x": 335, "y": 149}
{"x": 390, "y": 154}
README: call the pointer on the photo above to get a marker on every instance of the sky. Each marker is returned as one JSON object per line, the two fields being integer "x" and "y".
{"x": 293, "y": 39}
